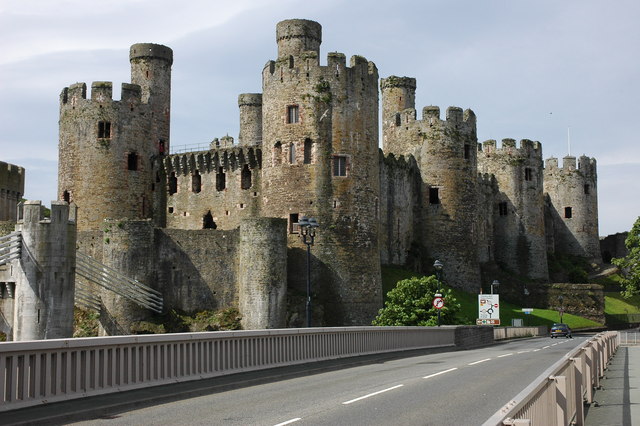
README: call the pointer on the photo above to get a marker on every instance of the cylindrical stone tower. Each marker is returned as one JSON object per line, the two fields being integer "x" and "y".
{"x": 398, "y": 94}
{"x": 45, "y": 288}
{"x": 574, "y": 200}
{"x": 320, "y": 159}
{"x": 263, "y": 273}
{"x": 250, "y": 105}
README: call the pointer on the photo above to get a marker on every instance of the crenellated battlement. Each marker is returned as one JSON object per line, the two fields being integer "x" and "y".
{"x": 526, "y": 149}
{"x": 101, "y": 93}
{"x": 399, "y": 161}
{"x": 394, "y": 81}
{"x": 229, "y": 158}
{"x": 586, "y": 165}
{"x": 11, "y": 177}
{"x": 32, "y": 211}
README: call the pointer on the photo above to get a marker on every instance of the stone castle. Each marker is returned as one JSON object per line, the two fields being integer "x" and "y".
{"x": 217, "y": 228}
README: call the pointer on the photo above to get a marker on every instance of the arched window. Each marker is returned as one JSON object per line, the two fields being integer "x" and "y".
{"x": 221, "y": 180}
{"x": 173, "y": 183}
{"x": 207, "y": 221}
{"x": 66, "y": 196}
{"x": 196, "y": 182}
{"x": 308, "y": 151}
{"x": 245, "y": 178}
{"x": 292, "y": 153}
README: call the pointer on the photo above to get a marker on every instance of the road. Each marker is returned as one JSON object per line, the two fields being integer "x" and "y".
{"x": 447, "y": 388}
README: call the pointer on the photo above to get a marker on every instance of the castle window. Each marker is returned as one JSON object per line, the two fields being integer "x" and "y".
{"x": 528, "y": 174}
{"x": 66, "y": 196}
{"x": 587, "y": 188}
{"x": 173, "y": 183}
{"x": 161, "y": 146}
{"x": 568, "y": 213}
{"x": 132, "y": 161}
{"x": 245, "y": 177}
{"x": 277, "y": 153}
{"x": 308, "y": 146}
{"x": 398, "y": 120}
{"x": 293, "y": 115}
{"x": 104, "y": 129}
{"x": 434, "y": 195}
{"x": 207, "y": 221}
{"x": 467, "y": 151}
{"x": 502, "y": 208}
{"x": 293, "y": 223}
{"x": 170, "y": 209}
{"x": 340, "y": 165}
{"x": 292, "y": 153}
{"x": 221, "y": 180}
{"x": 196, "y": 182}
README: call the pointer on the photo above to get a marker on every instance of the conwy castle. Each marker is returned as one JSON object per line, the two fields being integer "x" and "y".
{"x": 219, "y": 228}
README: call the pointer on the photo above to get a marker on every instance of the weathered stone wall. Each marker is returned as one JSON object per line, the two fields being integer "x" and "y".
{"x": 586, "y": 300}
{"x": 250, "y": 105}
{"x": 11, "y": 190}
{"x": 574, "y": 201}
{"x": 518, "y": 209}
{"x": 612, "y": 246}
{"x": 214, "y": 189}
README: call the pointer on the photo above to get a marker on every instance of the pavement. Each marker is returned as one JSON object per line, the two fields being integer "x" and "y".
{"x": 617, "y": 402}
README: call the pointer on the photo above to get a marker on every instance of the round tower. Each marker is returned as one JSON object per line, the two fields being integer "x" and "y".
{"x": 250, "y": 105}
{"x": 320, "y": 159}
{"x": 574, "y": 202}
{"x": 518, "y": 211}
{"x": 107, "y": 147}
{"x": 398, "y": 94}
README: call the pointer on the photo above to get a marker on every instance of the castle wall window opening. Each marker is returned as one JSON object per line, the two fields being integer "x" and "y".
{"x": 467, "y": 151}
{"x": 292, "y": 153}
{"x": 221, "y": 180}
{"x": 132, "y": 161}
{"x": 208, "y": 222}
{"x": 502, "y": 208}
{"x": 196, "y": 182}
{"x": 104, "y": 129}
{"x": 294, "y": 227}
{"x": 434, "y": 195}
{"x": 245, "y": 177}
{"x": 528, "y": 174}
{"x": 587, "y": 189}
{"x": 293, "y": 114}
{"x": 340, "y": 165}
{"x": 173, "y": 183}
{"x": 308, "y": 151}
{"x": 568, "y": 212}
{"x": 277, "y": 153}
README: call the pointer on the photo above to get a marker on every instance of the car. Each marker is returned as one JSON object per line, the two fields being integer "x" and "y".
{"x": 560, "y": 330}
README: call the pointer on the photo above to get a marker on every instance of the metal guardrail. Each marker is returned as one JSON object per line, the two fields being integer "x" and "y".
{"x": 10, "y": 247}
{"x": 106, "y": 277}
{"x": 557, "y": 396}
{"x": 45, "y": 371}
{"x": 629, "y": 338}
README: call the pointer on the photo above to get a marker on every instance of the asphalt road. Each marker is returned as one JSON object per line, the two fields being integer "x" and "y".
{"x": 447, "y": 388}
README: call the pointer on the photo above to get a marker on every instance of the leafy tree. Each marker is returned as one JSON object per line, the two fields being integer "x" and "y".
{"x": 630, "y": 264}
{"x": 410, "y": 304}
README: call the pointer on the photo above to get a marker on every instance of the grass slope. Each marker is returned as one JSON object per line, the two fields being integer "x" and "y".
{"x": 508, "y": 311}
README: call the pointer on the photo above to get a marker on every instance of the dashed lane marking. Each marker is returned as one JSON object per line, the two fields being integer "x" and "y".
{"x": 372, "y": 394}
{"x": 439, "y": 373}
{"x": 478, "y": 362}
{"x": 288, "y": 422}
{"x": 503, "y": 355}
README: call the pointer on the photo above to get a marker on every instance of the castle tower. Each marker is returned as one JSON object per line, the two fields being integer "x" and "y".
{"x": 320, "y": 159}
{"x": 107, "y": 147}
{"x": 45, "y": 283}
{"x": 574, "y": 206}
{"x": 518, "y": 210}
{"x": 446, "y": 153}
{"x": 250, "y": 105}
{"x": 11, "y": 190}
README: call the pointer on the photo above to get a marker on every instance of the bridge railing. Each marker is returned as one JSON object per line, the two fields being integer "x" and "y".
{"x": 38, "y": 372}
{"x": 557, "y": 396}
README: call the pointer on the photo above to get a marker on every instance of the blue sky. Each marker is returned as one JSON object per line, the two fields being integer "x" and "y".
{"x": 528, "y": 70}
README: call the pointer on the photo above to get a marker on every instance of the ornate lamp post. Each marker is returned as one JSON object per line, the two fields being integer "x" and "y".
{"x": 438, "y": 267}
{"x": 308, "y": 234}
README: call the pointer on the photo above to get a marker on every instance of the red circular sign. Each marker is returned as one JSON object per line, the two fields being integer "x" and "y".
{"x": 438, "y": 302}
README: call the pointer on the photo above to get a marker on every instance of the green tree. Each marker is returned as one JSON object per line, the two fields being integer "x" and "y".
{"x": 630, "y": 264}
{"x": 410, "y": 304}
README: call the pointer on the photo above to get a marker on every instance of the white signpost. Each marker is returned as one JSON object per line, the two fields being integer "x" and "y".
{"x": 488, "y": 309}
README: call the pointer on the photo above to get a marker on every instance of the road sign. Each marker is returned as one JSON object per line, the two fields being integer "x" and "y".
{"x": 488, "y": 309}
{"x": 438, "y": 302}
{"x": 527, "y": 310}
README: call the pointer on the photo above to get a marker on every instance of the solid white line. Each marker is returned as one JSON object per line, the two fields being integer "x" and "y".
{"x": 441, "y": 372}
{"x": 372, "y": 394}
{"x": 289, "y": 421}
{"x": 509, "y": 354}
{"x": 478, "y": 362}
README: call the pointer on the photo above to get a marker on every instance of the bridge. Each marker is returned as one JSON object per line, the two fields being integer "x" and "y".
{"x": 408, "y": 373}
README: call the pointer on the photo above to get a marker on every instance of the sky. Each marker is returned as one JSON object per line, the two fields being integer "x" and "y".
{"x": 565, "y": 73}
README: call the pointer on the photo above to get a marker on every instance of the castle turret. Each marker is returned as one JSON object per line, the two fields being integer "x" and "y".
{"x": 250, "y": 119}
{"x": 320, "y": 159}
{"x": 573, "y": 200}
{"x": 45, "y": 284}
{"x": 107, "y": 147}
{"x": 518, "y": 210}
{"x": 398, "y": 97}
{"x": 11, "y": 190}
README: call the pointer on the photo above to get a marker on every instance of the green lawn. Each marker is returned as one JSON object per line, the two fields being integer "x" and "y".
{"x": 508, "y": 311}
{"x": 614, "y": 304}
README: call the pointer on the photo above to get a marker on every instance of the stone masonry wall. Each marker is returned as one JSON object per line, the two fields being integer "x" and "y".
{"x": 11, "y": 190}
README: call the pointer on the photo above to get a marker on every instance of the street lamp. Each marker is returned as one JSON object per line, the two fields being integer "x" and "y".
{"x": 495, "y": 284}
{"x": 561, "y": 308}
{"x": 438, "y": 267}
{"x": 308, "y": 233}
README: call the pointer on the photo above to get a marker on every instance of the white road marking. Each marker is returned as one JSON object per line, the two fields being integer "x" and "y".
{"x": 524, "y": 352}
{"x": 478, "y": 362}
{"x": 509, "y": 354}
{"x": 545, "y": 347}
{"x": 535, "y": 350}
{"x": 439, "y": 373}
{"x": 372, "y": 394}
{"x": 289, "y": 421}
